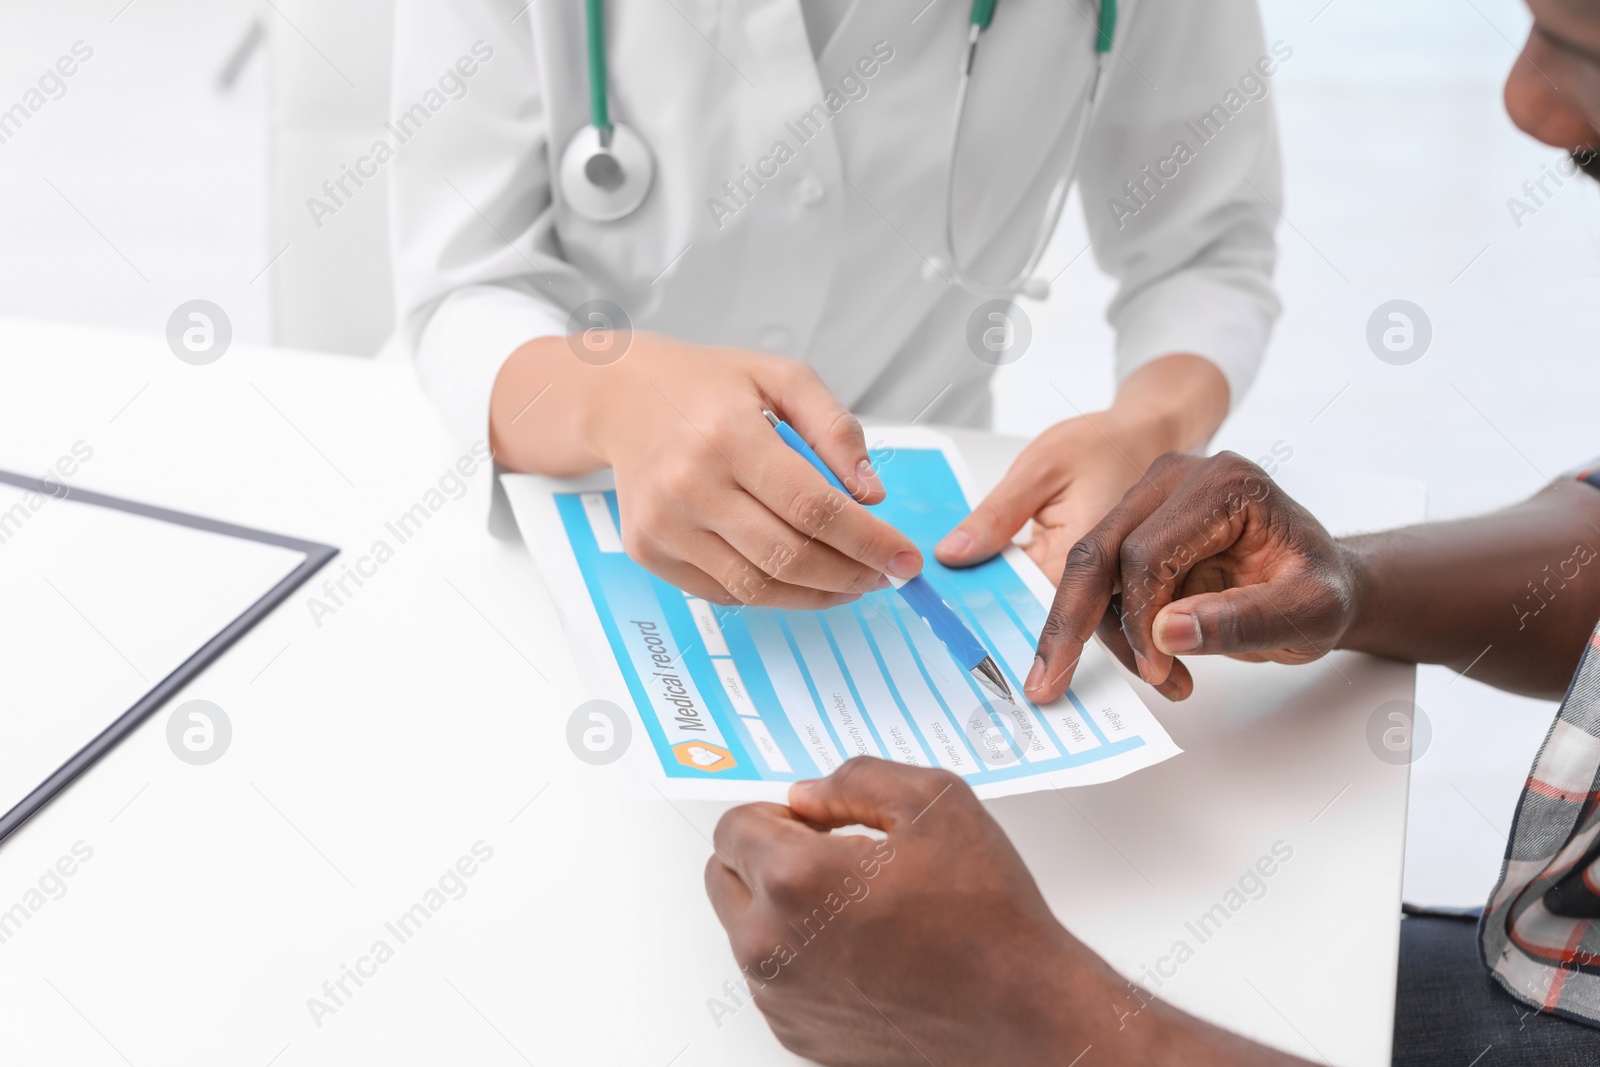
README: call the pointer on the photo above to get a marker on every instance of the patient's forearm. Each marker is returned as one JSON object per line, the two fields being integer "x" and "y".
{"x": 1510, "y": 597}
{"x": 1140, "y": 1029}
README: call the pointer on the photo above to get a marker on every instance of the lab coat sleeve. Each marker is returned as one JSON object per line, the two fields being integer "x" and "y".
{"x": 476, "y": 266}
{"x": 1181, "y": 199}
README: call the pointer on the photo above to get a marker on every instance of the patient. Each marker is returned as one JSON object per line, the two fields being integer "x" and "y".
{"x": 940, "y": 948}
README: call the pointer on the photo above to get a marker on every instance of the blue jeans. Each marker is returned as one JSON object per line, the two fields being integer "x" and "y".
{"x": 1450, "y": 1013}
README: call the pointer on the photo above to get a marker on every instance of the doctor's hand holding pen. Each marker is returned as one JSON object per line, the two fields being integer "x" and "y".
{"x": 1072, "y": 474}
{"x": 711, "y": 499}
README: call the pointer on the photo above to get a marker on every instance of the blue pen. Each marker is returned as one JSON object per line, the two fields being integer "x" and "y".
{"x": 919, "y": 592}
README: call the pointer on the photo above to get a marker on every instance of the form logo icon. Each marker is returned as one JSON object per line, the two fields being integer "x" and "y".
{"x": 704, "y": 756}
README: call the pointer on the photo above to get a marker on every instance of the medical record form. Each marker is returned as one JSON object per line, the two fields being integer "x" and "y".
{"x": 737, "y": 702}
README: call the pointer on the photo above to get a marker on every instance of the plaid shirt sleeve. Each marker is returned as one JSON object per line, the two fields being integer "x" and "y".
{"x": 1540, "y": 932}
{"x": 1590, "y": 473}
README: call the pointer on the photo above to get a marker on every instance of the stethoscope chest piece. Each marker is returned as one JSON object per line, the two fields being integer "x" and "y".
{"x": 606, "y": 173}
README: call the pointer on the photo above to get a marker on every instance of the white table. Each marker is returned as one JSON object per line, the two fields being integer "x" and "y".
{"x": 429, "y": 713}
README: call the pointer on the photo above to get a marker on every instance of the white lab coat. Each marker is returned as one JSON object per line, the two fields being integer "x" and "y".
{"x": 827, "y": 257}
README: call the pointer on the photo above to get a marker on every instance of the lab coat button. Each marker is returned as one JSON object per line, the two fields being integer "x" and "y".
{"x": 774, "y": 339}
{"x": 809, "y": 191}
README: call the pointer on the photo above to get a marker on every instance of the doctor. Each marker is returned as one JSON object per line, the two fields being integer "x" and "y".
{"x": 620, "y": 234}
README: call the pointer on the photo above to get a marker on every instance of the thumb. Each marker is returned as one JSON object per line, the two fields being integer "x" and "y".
{"x": 869, "y": 792}
{"x": 1252, "y": 618}
{"x": 993, "y": 523}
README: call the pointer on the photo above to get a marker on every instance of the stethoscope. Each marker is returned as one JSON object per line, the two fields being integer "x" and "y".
{"x": 1033, "y": 286}
{"x": 607, "y": 169}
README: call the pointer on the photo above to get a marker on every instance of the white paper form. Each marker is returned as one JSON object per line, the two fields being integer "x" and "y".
{"x": 737, "y": 702}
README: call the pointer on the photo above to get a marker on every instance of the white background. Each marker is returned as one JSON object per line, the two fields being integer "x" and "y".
{"x": 143, "y": 187}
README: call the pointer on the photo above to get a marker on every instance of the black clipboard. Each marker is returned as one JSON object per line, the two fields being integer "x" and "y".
{"x": 316, "y": 556}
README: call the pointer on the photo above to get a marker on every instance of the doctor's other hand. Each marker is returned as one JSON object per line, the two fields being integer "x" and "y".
{"x": 1068, "y": 477}
{"x": 931, "y": 945}
{"x": 1203, "y": 556}
{"x": 711, "y": 498}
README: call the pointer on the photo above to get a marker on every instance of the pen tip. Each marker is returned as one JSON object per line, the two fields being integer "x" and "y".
{"x": 989, "y": 676}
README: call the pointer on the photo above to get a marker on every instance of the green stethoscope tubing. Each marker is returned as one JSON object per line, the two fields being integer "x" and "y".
{"x": 982, "y": 15}
{"x": 1024, "y": 281}
{"x": 595, "y": 17}
{"x": 599, "y": 102}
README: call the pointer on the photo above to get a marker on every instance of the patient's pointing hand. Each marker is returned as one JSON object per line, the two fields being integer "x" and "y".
{"x": 1203, "y": 556}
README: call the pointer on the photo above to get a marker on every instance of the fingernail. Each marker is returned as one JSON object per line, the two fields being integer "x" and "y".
{"x": 903, "y": 565}
{"x": 882, "y": 583}
{"x": 1180, "y": 632}
{"x": 1035, "y": 675}
{"x": 799, "y": 790}
{"x": 867, "y": 472}
{"x": 1144, "y": 668}
{"x": 956, "y": 543}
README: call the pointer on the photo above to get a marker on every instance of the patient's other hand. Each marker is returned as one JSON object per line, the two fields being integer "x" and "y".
{"x": 932, "y": 942}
